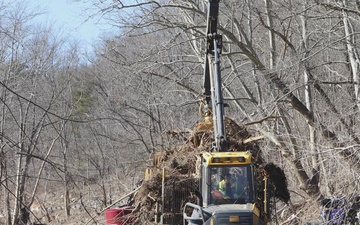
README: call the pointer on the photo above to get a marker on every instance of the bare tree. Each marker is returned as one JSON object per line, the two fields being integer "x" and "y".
{"x": 289, "y": 68}
{"x": 243, "y": 48}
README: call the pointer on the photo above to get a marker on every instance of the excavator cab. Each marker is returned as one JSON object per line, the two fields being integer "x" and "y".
{"x": 226, "y": 178}
{"x": 227, "y": 193}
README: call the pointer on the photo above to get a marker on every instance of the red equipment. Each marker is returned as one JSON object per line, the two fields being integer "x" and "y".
{"x": 115, "y": 216}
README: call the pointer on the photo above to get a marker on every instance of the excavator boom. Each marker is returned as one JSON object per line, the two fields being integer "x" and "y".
{"x": 212, "y": 77}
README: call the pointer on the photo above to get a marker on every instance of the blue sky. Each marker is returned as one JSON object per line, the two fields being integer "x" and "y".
{"x": 71, "y": 18}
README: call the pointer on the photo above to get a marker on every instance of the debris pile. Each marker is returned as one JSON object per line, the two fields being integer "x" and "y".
{"x": 181, "y": 165}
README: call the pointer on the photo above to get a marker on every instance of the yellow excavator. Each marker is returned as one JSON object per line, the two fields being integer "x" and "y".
{"x": 232, "y": 191}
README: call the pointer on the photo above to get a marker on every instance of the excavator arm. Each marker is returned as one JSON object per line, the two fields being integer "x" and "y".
{"x": 212, "y": 77}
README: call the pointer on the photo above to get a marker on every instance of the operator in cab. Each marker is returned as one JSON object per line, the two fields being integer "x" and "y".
{"x": 225, "y": 186}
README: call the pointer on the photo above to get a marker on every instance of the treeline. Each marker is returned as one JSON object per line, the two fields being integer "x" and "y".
{"x": 290, "y": 71}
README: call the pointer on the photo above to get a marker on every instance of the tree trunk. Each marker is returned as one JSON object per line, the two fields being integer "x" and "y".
{"x": 352, "y": 53}
{"x": 314, "y": 181}
{"x": 19, "y": 175}
{"x": 64, "y": 145}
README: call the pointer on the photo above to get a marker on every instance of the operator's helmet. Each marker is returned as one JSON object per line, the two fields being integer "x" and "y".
{"x": 226, "y": 176}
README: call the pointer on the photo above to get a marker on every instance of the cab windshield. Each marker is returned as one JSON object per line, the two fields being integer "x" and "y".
{"x": 231, "y": 185}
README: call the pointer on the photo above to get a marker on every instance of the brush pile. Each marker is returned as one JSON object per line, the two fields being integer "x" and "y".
{"x": 181, "y": 167}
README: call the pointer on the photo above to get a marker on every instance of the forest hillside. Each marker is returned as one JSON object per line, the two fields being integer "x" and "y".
{"x": 78, "y": 130}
